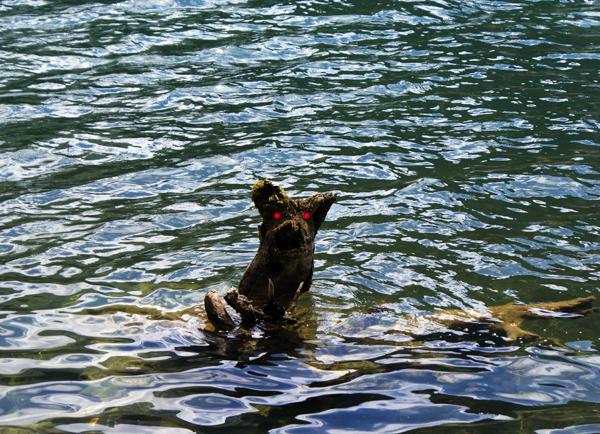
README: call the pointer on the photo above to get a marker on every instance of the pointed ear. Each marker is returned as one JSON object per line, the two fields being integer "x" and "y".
{"x": 264, "y": 192}
{"x": 319, "y": 205}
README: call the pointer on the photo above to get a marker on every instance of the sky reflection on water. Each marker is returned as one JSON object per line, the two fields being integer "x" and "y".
{"x": 461, "y": 138}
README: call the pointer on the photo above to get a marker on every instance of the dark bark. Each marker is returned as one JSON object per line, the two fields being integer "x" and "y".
{"x": 283, "y": 266}
{"x": 286, "y": 251}
{"x": 215, "y": 311}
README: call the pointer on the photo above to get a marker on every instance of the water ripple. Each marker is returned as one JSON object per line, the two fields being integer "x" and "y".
{"x": 460, "y": 137}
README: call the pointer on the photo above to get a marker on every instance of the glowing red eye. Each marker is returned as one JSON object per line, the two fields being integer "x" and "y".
{"x": 306, "y": 215}
{"x": 276, "y": 215}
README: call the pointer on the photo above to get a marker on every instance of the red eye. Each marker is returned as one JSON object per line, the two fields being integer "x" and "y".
{"x": 306, "y": 215}
{"x": 276, "y": 215}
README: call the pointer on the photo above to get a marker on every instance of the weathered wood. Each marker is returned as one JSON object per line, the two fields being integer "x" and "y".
{"x": 506, "y": 320}
{"x": 215, "y": 311}
{"x": 286, "y": 251}
{"x": 242, "y": 305}
{"x": 511, "y": 316}
{"x": 283, "y": 266}
{"x": 296, "y": 296}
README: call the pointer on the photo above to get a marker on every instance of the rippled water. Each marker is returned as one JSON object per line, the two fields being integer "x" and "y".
{"x": 461, "y": 137}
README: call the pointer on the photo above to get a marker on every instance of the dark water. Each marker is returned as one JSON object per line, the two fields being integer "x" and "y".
{"x": 462, "y": 138}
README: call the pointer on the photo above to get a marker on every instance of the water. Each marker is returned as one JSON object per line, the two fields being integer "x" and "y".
{"x": 461, "y": 137}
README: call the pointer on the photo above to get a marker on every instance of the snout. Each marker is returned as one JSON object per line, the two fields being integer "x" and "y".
{"x": 289, "y": 236}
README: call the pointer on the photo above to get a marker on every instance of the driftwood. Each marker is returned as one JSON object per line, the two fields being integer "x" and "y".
{"x": 509, "y": 317}
{"x": 216, "y": 312}
{"x": 283, "y": 266}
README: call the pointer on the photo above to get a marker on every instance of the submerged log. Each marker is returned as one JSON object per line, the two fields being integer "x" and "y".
{"x": 511, "y": 316}
{"x": 506, "y": 320}
{"x": 283, "y": 266}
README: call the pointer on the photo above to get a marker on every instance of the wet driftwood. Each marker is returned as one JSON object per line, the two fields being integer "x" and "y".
{"x": 216, "y": 312}
{"x": 509, "y": 317}
{"x": 283, "y": 266}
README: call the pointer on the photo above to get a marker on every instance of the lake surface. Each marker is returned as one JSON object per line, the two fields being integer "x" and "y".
{"x": 462, "y": 138}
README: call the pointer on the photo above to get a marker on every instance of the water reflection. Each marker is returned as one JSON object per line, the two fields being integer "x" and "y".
{"x": 461, "y": 137}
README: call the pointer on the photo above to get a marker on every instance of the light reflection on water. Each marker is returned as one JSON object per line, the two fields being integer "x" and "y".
{"x": 461, "y": 137}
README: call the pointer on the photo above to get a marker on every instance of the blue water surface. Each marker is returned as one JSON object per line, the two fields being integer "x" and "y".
{"x": 462, "y": 138}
